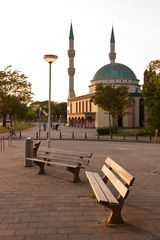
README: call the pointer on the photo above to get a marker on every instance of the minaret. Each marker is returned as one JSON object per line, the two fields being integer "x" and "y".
{"x": 112, "y": 54}
{"x": 71, "y": 69}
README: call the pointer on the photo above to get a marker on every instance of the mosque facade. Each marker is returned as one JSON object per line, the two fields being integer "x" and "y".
{"x": 81, "y": 112}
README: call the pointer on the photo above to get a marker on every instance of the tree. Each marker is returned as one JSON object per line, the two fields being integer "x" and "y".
{"x": 30, "y": 115}
{"x": 113, "y": 100}
{"x": 151, "y": 94}
{"x": 61, "y": 111}
{"x": 16, "y": 109}
{"x": 58, "y": 110}
{"x": 15, "y": 91}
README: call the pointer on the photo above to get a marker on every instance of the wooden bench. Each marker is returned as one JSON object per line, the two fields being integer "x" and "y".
{"x": 114, "y": 175}
{"x": 72, "y": 160}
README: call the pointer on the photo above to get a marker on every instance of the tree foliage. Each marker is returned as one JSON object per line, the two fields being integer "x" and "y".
{"x": 151, "y": 94}
{"x": 113, "y": 100}
{"x": 15, "y": 94}
{"x": 58, "y": 110}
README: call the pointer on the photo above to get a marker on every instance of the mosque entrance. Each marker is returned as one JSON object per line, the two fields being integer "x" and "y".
{"x": 85, "y": 121}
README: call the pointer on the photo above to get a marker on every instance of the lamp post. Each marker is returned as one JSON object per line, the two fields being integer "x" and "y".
{"x": 50, "y": 59}
{"x": 40, "y": 109}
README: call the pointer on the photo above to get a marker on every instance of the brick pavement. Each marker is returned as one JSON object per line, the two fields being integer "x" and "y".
{"x": 51, "y": 207}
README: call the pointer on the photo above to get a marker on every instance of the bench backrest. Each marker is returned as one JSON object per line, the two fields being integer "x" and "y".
{"x": 118, "y": 176}
{"x": 66, "y": 152}
{"x": 64, "y": 155}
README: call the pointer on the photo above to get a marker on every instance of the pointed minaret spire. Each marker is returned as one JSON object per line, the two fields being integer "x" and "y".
{"x": 71, "y": 36}
{"x": 112, "y": 54}
{"x": 71, "y": 69}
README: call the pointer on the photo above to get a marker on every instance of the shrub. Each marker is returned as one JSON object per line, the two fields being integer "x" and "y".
{"x": 105, "y": 130}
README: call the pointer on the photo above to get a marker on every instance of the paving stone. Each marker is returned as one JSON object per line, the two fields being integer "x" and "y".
{"x": 35, "y": 207}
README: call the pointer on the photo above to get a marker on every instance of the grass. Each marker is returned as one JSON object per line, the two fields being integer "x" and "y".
{"x": 17, "y": 126}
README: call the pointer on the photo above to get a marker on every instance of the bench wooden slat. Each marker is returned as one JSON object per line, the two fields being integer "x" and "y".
{"x": 123, "y": 190}
{"x": 52, "y": 163}
{"x": 66, "y": 152}
{"x": 58, "y": 157}
{"x": 127, "y": 177}
{"x": 95, "y": 186}
{"x": 109, "y": 195}
{"x": 100, "y": 188}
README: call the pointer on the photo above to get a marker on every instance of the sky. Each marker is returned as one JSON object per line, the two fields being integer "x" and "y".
{"x": 32, "y": 28}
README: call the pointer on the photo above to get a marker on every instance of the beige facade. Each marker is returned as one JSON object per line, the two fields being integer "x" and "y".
{"x": 82, "y": 112}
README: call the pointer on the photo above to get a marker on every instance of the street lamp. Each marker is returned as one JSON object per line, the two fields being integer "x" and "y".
{"x": 39, "y": 115}
{"x": 50, "y": 59}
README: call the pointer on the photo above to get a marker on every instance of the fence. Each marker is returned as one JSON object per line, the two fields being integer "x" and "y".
{"x": 86, "y": 136}
{"x": 75, "y": 135}
{"x": 5, "y": 142}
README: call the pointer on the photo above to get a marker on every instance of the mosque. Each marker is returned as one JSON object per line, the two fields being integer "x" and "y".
{"x": 81, "y": 112}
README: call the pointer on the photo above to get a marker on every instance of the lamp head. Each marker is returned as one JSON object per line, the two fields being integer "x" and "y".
{"x": 50, "y": 58}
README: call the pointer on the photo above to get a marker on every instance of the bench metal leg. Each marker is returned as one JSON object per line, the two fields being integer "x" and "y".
{"x": 41, "y": 167}
{"x": 75, "y": 172}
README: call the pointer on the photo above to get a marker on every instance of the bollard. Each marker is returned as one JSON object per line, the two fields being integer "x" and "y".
{"x": 73, "y": 135}
{"x": 3, "y": 143}
{"x": 36, "y": 134}
{"x": 11, "y": 141}
{"x": 9, "y": 144}
{"x": 85, "y": 136}
{"x": 124, "y": 136}
{"x": 111, "y": 136}
{"x": 150, "y": 138}
{"x": 28, "y": 152}
{"x": 60, "y": 135}
{"x": 20, "y": 134}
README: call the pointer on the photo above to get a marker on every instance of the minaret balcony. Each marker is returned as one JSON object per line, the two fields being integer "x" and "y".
{"x": 71, "y": 53}
{"x": 71, "y": 71}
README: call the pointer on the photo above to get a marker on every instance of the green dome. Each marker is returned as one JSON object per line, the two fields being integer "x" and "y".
{"x": 114, "y": 71}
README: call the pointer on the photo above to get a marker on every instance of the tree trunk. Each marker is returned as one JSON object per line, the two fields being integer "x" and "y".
{"x": 115, "y": 122}
{"x": 4, "y": 120}
{"x": 110, "y": 126}
{"x": 11, "y": 122}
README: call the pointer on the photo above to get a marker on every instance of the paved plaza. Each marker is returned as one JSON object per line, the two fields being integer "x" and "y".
{"x": 51, "y": 207}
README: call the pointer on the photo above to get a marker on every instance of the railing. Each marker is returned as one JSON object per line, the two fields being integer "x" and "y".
{"x": 74, "y": 135}
{"x": 86, "y": 136}
{"x": 5, "y": 142}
